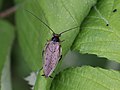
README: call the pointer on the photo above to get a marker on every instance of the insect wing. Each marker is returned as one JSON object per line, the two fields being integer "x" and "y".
{"x": 51, "y": 57}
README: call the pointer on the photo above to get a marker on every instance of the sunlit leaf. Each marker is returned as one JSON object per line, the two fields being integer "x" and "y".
{"x": 60, "y": 15}
{"x": 100, "y": 31}
{"x": 86, "y": 78}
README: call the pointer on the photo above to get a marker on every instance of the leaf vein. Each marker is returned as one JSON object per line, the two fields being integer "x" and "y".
{"x": 91, "y": 80}
{"x": 100, "y": 28}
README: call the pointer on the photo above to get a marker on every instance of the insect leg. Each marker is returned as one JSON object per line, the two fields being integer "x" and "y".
{"x": 43, "y": 75}
{"x": 39, "y": 70}
{"x": 42, "y": 52}
{"x": 50, "y": 76}
{"x": 60, "y": 57}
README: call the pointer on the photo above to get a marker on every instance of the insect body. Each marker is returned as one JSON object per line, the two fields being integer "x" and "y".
{"x": 52, "y": 51}
{"x": 52, "y": 54}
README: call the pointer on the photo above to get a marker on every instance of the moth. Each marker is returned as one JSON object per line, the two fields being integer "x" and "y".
{"x": 52, "y": 52}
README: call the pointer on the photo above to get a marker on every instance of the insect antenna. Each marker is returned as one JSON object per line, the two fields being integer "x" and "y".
{"x": 41, "y": 21}
{"x": 68, "y": 30}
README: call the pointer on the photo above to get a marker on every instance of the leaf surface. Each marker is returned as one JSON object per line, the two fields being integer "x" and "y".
{"x": 60, "y": 15}
{"x": 100, "y": 31}
{"x": 86, "y": 78}
{"x": 6, "y": 41}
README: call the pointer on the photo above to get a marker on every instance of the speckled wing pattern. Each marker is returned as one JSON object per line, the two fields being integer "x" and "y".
{"x": 51, "y": 57}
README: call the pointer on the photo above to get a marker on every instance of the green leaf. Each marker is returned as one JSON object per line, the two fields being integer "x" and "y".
{"x": 86, "y": 78}
{"x": 100, "y": 31}
{"x": 42, "y": 83}
{"x": 59, "y": 15}
{"x": 22, "y": 68}
{"x": 6, "y": 40}
{"x": 6, "y": 76}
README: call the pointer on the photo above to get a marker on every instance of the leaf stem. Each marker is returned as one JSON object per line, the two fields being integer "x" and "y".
{"x": 8, "y": 12}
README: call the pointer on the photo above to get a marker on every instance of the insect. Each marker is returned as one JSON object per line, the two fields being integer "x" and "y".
{"x": 52, "y": 51}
